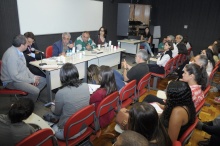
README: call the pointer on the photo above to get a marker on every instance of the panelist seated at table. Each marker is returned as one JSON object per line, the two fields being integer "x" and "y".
{"x": 14, "y": 72}
{"x": 84, "y": 42}
{"x": 163, "y": 59}
{"x": 32, "y": 54}
{"x": 136, "y": 72}
{"x": 102, "y": 36}
{"x": 13, "y": 129}
{"x": 60, "y": 47}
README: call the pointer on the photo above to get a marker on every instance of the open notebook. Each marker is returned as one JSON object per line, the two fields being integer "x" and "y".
{"x": 93, "y": 88}
{"x": 161, "y": 94}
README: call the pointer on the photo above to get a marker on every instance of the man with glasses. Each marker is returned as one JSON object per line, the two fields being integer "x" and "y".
{"x": 62, "y": 46}
{"x": 84, "y": 42}
{"x": 32, "y": 54}
{"x": 14, "y": 72}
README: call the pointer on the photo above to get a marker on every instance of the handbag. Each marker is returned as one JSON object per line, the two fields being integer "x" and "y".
{"x": 122, "y": 118}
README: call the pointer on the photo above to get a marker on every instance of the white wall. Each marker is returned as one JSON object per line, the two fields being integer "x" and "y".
{"x": 58, "y": 16}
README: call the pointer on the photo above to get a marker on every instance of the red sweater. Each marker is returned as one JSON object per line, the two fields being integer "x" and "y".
{"x": 96, "y": 98}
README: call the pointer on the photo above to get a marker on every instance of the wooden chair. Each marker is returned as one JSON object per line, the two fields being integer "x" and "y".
{"x": 49, "y": 51}
{"x": 145, "y": 81}
{"x": 167, "y": 69}
{"x": 5, "y": 91}
{"x": 127, "y": 93}
{"x": 80, "y": 120}
{"x": 184, "y": 139}
{"x": 43, "y": 137}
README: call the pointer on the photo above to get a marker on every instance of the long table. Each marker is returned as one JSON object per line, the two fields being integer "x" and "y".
{"x": 131, "y": 45}
{"x": 82, "y": 60}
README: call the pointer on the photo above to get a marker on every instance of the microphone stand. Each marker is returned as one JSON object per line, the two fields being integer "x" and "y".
{"x": 41, "y": 64}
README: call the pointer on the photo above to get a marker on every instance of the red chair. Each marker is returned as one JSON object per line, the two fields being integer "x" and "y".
{"x": 199, "y": 107}
{"x": 142, "y": 84}
{"x": 49, "y": 51}
{"x": 43, "y": 137}
{"x": 108, "y": 104}
{"x": 167, "y": 71}
{"x": 184, "y": 139}
{"x": 82, "y": 119}
{"x": 176, "y": 143}
{"x": 126, "y": 94}
{"x": 210, "y": 81}
{"x": 175, "y": 62}
{"x": 5, "y": 91}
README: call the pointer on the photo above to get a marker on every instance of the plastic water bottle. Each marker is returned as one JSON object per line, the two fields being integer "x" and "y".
{"x": 67, "y": 53}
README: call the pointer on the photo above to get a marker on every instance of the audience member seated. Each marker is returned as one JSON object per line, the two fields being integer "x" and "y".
{"x": 31, "y": 54}
{"x": 211, "y": 63}
{"x": 60, "y": 47}
{"x": 163, "y": 59}
{"x": 107, "y": 86}
{"x": 215, "y": 52}
{"x": 93, "y": 74}
{"x": 84, "y": 42}
{"x": 102, "y": 36}
{"x": 179, "y": 111}
{"x": 180, "y": 45}
{"x": 14, "y": 71}
{"x": 148, "y": 40}
{"x": 72, "y": 97}
{"x": 13, "y": 129}
{"x": 213, "y": 129}
{"x": 161, "y": 45}
{"x": 131, "y": 138}
{"x": 196, "y": 77}
{"x": 136, "y": 72}
{"x": 175, "y": 49}
{"x": 186, "y": 42}
{"x": 200, "y": 60}
{"x": 143, "y": 118}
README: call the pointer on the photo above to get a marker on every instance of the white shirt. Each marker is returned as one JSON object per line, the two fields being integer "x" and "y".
{"x": 163, "y": 61}
{"x": 175, "y": 51}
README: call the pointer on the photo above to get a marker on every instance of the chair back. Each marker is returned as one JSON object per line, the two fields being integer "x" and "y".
{"x": 176, "y": 143}
{"x": 175, "y": 62}
{"x": 78, "y": 121}
{"x": 144, "y": 82}
{"x": 217, "y": 64}
{"x": 127, "y": 92}
{"x": 212, "y": 74}
{"x": 199, "y": 107}
{"x": 188, "y": 133}
{"x": 43, "y": 137}
{"x": 49, "y": 51}
{"x": 168, "y": 67}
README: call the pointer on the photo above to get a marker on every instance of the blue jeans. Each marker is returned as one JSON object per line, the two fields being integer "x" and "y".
{"x": 146, "y": 47}
{"x": 119, "y": 80}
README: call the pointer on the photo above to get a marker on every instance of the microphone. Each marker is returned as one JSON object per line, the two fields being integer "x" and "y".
{"x": 33, "y": 49}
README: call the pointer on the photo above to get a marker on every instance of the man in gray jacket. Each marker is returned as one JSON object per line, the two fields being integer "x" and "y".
{"x": 14, "y": 72}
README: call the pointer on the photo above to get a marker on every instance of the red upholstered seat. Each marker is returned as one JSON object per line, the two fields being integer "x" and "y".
{"x": 43, "y": 137}
{"x": 80, "y": 120}
{"x": 184, "y": 139}
{"x": 49, "y": 51}
{"x": 126, "y": 94}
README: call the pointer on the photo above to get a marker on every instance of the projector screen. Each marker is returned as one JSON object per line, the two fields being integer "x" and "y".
{"x": 58, "y": 16}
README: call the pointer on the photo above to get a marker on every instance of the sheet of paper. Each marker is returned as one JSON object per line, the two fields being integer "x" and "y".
{"x": 93, "y": 88}
{"x": 161, "y": 94}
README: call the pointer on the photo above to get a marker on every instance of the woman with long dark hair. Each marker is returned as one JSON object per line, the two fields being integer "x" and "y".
{"x": 148, "y": 40}
{"x": 211, "y": 63}
{"x": 102, "y": 36}
{"x": 179, "y": 110}
{"x": 71, "y": 97}
{"x": 107, "y": 86}
{"x": 143, "y": 118}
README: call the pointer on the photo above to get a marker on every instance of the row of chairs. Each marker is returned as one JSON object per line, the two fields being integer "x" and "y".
{"x": 170, "y": 67}
{"x": 88, "y": 117}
